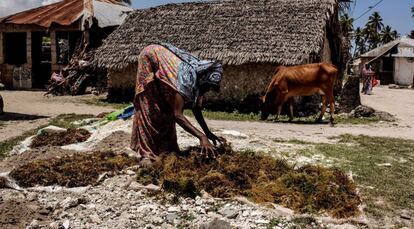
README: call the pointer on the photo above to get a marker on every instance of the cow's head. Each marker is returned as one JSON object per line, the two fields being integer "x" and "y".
{"x": 268, "y": 104}
{"x": 263, "y": 108}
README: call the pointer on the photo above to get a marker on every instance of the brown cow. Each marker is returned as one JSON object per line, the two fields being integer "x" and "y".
{"x": 302, "y": 80}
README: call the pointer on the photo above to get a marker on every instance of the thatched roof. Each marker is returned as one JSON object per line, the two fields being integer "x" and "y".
{"x": 233, "y": 31}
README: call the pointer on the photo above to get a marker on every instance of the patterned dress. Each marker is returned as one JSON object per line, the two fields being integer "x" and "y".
{"x": 154, "y": 123}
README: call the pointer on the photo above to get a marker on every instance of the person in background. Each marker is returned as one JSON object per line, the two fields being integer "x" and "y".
{"x": 367, "y": 77}
{"x": 167, "y": 79}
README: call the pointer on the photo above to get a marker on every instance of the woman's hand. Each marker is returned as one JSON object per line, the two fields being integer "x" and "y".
{"x": 207, "y": 149}
{"x": 215, "y": 139}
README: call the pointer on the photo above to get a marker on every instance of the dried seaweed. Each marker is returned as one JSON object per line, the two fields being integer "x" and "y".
{"x": 71, "y": 136}
{"x": 308, "y": 189}
{"x": 71, "y": 171}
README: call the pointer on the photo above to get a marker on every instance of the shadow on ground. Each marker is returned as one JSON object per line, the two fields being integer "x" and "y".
{"x": 10, "y": 116}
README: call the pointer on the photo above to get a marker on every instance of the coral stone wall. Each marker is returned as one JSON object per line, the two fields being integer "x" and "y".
{"x": 121, "y": 84}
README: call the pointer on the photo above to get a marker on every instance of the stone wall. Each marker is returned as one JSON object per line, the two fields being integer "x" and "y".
{"x": 121, "y": 84}
{"x": 350, "y": 97}
{"x": 240, "y": 88}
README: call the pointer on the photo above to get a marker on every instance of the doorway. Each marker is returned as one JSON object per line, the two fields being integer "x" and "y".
{"x": 41, "y": 59}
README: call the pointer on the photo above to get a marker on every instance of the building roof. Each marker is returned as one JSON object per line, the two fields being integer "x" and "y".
{"x": 400, "y": 42}
{"x": 231, "y": 31}
{"x": 67, "y": 12}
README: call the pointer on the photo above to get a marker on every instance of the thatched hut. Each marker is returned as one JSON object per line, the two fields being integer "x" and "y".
{"x": 250, "y": 37}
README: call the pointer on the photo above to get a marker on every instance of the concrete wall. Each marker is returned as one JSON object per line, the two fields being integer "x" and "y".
{"x": 403, "y": 71}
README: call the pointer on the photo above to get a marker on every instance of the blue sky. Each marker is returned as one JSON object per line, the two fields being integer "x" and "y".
{"x": 396, "y": 13}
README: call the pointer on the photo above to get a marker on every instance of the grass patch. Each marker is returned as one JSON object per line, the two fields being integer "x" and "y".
{"x": 292, "y": 141}
{"x": 383, "y": 167}
{"x": 308, "y": 189}
{"x": 236, "y": 116}
{"x": 99, "y": 101}
{"x": 64, "y": 121}
{"x": 7, "y": 145}
{"x": 71, "y": 171}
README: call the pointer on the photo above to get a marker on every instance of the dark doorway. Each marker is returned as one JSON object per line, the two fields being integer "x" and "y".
{"x": 15, "y": 48}
{"x": 66, "y": 43}
{"x": 386, "y": 75}
{"x": 41, "y": 59}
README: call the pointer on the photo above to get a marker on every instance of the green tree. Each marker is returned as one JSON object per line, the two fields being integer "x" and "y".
{"x": 372, "y": 30}
{"x": 346, "y": 25}
{"x": 375, "y": 22}
{"x": 388, "y": 35}
{"x": 411, "y": 35}
{"x": 359, "y": 40}
{"x": 344, "y": 5}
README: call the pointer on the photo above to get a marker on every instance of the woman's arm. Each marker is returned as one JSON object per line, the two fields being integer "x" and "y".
{"x": 200, "y": 119}
{"x": 198, "y": 114}
{"x": 206, "y": 147}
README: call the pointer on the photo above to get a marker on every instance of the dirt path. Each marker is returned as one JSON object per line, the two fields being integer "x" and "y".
{"x": 399, "y": 102}
{"x": 25, "y": 110}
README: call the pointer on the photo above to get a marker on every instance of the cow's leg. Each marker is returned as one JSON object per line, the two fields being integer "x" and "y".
{"x": 332, "y": 107}
{"x": 281, "y": 100}
{"x": 323, "y": 109}
{"x": 290, "y": 109}
{"x": 279, "y": 110}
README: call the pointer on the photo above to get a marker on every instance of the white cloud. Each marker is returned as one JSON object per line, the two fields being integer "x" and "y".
{"x": 13, "y": 6}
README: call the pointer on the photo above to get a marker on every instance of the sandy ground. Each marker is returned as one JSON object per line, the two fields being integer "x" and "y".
{"x": 26, "y": 110}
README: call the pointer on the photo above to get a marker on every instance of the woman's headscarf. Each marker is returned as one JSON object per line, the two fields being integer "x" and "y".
{"x": 193, "y": 73}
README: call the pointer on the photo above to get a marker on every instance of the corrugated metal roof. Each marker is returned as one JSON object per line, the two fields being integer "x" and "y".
{"x": 108, "y": 14}
{"x": 66, "y": 13}
{"x": 401, "y": 42}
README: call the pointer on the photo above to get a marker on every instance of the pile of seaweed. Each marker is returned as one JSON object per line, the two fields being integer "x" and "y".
{"x": 72, "y": 171}
{"x": 71, "y": 136}
{"x": 261, "y": 178}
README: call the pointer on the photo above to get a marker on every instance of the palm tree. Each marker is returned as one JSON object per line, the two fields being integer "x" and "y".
{"x": 344, "y": 5}
{"x": 411, "y": 35}
{"x": 371, "y": 36}
{"x": 346, "y": 24}
{"x": 375, "y": 22}
{"x": 359, "y": 41}
{"x": 412, "y": 11}
{"x": 387, "y": 35}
